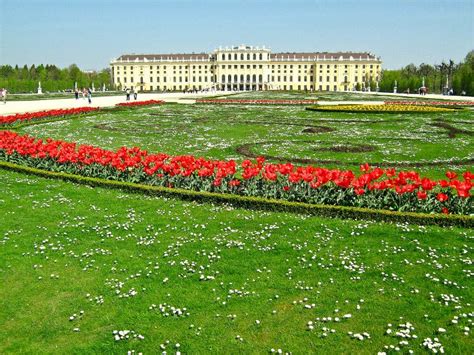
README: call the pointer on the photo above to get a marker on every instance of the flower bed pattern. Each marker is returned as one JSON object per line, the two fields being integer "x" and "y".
{"x": 5, "y": 120}
{"x": 255, "y": 102}
{"x": 374, "y": 188}
{"x": 431, "y": 103}
{"x": 140, "y": 103}
{"x": 380, "y": 108}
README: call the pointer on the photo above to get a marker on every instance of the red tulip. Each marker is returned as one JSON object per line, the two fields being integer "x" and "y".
{"x": 441, "y": 197}
{"x": 421, "y": 194}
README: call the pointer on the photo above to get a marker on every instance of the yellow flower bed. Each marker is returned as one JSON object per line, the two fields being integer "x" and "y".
{"x": 379, "y": 108}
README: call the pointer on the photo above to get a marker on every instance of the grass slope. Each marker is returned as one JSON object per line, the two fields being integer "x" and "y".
{"x": 60, "y": 242}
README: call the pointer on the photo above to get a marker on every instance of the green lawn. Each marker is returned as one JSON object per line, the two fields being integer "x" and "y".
{"x": 65, "y": 247}
{"x": 431, "y": 143}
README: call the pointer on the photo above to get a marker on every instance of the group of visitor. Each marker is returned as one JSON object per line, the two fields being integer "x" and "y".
{"x": 3, "y": 95}
{"x": 85, "y": 93}
{"x": 134, "y": 92}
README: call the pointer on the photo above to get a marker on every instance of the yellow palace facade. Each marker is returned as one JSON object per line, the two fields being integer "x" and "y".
{"x": 247, "y": 68}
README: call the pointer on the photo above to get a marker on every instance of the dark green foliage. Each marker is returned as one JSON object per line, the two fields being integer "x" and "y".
{"x": 52, "y": 78}
{"x": 460, "y": 77}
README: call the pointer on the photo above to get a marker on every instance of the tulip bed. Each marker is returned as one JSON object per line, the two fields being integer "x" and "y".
{"x": 432, "y": 103}
{"x": 375, "y": 188}
{"x": 255, "y": 102}
{"x": 28, "y": 116}
{"x": 386, "y": 108}
{"x": 140, "y": 103}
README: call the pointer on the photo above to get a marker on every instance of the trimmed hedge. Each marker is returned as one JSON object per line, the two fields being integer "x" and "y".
{"x": 258, "y": 202}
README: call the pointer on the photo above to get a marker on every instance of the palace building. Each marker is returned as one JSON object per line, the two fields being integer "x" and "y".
{"x": 247, "y": 68}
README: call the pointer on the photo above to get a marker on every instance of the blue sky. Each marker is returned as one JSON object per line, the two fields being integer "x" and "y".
{"x": 92, "y": 32}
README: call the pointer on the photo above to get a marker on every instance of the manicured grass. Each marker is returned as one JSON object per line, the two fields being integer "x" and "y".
{"x": 427, "y": 142}
{"x": 60, "y": 241}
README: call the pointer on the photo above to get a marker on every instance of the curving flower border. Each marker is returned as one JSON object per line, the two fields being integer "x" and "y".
{"x": 28, "y": 116}
{"x": 381, "y": 108}
{"x": 141, "y": 103}
{"x": 374, "y": 188}
{"x": 255, "y": 102}
{"x": 431, "y": 103}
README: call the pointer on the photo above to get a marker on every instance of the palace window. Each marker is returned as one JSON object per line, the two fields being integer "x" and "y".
{"x": 260, "y": 56}
{"x": 229, "y": 56}
{"x": 241, "y": 56}
{"x": 223, "y": 56}
{"x": 335, "y": 78}
{"x": 248, "y": 56}
{"x": 235, "y": 56}
{"x": 254, "y": 56}
{"x": 327, "y": 78}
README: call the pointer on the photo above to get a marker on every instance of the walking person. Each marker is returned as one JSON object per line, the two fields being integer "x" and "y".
{"x": 76, "y": 93}
{"x": 127, "y": 94}
{"x": 4, "y": 95}
{"x": 89, "y": 95}
{"x": 84, "y": 93}
{"x": 134, "y": 92}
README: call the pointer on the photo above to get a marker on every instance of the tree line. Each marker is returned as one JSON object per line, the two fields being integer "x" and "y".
{"x": 52, "y": 78}
{"x": 439, "y": 78}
